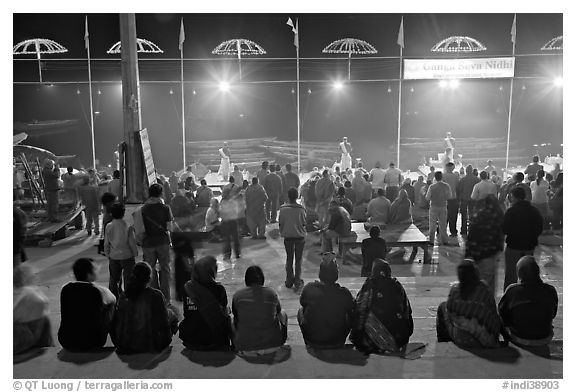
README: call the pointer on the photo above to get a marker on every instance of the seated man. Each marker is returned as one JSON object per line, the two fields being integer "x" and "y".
{"x": 378, "y": 208}
{"x": 325, "y": 317}
{"x": 260, "y": 324}
{"x": 528, "y": 307}
{"x": 86, "y": 310}
{"x": 339, "y": 225}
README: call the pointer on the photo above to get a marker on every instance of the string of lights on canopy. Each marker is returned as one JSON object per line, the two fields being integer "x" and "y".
{"x": 38, "y": 46}
{"x": 350, "y": 46}
{"x": 143, "y": 46}
{"x": 458, "y": 44}
{"x": 238, "y": 47}
{"x": 556, "y": 43}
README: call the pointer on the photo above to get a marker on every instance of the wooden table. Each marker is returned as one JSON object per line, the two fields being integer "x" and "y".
{"x": 395, "y": 235}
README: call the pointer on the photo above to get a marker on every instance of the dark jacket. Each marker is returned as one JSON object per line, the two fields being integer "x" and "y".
{"x": 291, "y": 181}
{"x": 206, "y": 325}
{"x": 372, "y": 248}
{"x": 522, "y": 226}
{"x": 141, "y": 324}
{"x": 273, "y": 184}
{"x": 327, "y": 311}
{"x": 85, "y": 320}
{"x": 528, "y": 309}
{"x": 51, "y": 178}
{"x": 256, "y": 312}
{"x": 466, "y": 185}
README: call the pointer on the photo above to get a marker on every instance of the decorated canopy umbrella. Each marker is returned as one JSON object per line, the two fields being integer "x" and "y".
{"x": 238, "y": 47}
{"x": 38, "y": 46}
{"x": 143, "y": 46}
{"x": 556, "y": 43}
{"x": 458, "y": 44}
{"x": 350, "y": 46}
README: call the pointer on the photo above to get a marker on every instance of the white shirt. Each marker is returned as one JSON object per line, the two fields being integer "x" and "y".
{"x": 377, "y": 175}
{"x": 539, "y": 195}
{"x": 483, "y": 189}
{"x": 393, "y": 177}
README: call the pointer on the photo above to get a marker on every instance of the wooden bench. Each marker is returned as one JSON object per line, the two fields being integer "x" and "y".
{"x": 395, "y": 235}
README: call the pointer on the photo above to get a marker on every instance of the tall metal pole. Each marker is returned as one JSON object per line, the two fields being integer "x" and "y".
{"x": 135, "y": 172}
{"x": 182, "y": 93}
{"x": 298, "y": 89}
{"x": 513, "y": 34}
{"x": 87, "y": 42}
{"x": 399, "y": 111}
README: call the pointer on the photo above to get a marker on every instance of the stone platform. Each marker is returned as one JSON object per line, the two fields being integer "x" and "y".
{"x": 426, "y": 286}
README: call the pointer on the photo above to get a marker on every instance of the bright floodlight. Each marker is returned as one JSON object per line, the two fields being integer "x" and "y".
{"x": 454, "y": 83}
{"x": 559, "y": 81}
{"x": 338, "y": 85}
{"x": 443, "y": 83}
{"x": 224, "y": 86}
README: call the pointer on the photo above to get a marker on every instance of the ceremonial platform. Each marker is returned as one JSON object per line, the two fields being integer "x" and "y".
{"x": 426, "y": 285}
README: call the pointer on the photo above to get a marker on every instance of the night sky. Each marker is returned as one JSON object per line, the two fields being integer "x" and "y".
{"x": 365, "y": 111}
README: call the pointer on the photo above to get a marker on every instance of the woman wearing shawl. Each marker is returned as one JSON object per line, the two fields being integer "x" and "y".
{"x": 400, "y": 210}
{"x": 383, "y": 316}
{"x": 469, "y": 318}
{"x": 485, "y": 239}
{"x": 206, "y": 325}
{"x": 142, "y": 322}
{"x": 30, "y": 313}
{"x": 528, "y": 307}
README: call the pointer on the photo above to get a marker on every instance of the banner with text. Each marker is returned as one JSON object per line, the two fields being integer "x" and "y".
{"x": 501, "y": 67}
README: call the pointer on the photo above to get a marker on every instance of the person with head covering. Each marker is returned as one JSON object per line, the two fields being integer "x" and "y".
{"x": 206, "y": 324}
{"x": 86, "y": 309}
{"x": 51, "y": 175}
{"x": 485, "y": 240}
{"x": 373, "y": 248}
{"x": 260, "y": 324}
{"x": 142, "y": 322}
{"x": 469, "y": 317}
{"x": 325, "y": 317}
{"x": 529, "y": 307}
{"x": 401, "y": 209}
{"x": 31, "y": 325}
{"x": 383, "y": 316}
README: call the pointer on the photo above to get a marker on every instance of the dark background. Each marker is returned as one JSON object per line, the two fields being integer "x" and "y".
{"x": 365, "y": 110}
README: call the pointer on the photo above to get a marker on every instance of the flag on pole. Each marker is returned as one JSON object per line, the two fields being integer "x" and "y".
{"x": 513, "y": 30}
{"x": 182, "y": 36}
{"x": 401, "y": 33}
{"x": 86, "y": 37}
{"x": 294, "y": 30}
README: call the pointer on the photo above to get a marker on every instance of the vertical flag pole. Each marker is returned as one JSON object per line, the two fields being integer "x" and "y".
{"x": 297, "y": 41}
{"x": 38, "y": 57}
{"x": 87, "y": 44}
{"x": 181, "y": 47}
{"x": 401, "y": 44}
{"x": 513, "y": 39}
{"x": 297, "y": 45}
{"x": 239, "y": 54}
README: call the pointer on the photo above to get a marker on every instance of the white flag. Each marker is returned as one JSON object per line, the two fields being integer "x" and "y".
{"x": 401, "y": 34}
{"x": 86, "y": 37}
{"x": 513, "y": 30}
{"x": 294, "y": 30}
{"x": 182, "y": 36}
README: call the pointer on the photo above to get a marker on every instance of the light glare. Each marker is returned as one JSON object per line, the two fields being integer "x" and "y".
{"x": 559, "y": 81}
{"x": 224, "y": 87}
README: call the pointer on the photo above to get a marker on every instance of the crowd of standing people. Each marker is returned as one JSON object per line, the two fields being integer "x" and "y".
{"x": 136, "y": 308}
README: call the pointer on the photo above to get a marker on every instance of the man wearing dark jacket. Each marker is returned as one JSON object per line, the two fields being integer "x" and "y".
{"x": 464, "y": 191}
{"x": 522, "y": 226}
{"x": 273, "y": 185}
{"x": 325, "y": 317}
{"x": 292, "y": 223}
